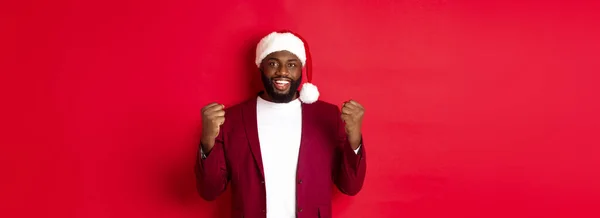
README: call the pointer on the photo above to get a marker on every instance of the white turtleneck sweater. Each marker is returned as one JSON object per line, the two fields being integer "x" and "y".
{"x": 279, "y": 132}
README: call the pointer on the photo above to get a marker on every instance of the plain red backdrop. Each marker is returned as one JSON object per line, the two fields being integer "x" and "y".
{"x": 474, "y": 108}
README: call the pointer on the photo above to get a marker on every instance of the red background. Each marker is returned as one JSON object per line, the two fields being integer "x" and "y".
{"x": 474, "y": 108}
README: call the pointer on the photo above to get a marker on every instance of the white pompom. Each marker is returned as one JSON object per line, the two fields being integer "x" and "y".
{"x": 309, "y": 93}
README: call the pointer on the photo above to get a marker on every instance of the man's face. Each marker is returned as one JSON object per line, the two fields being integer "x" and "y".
{"x": 281, "y": 75}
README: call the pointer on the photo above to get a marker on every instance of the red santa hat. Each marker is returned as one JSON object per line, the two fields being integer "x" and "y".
{"x": 289, "y": 41}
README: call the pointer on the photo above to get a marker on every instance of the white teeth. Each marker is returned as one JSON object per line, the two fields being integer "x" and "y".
{"x": 281, "y": 82}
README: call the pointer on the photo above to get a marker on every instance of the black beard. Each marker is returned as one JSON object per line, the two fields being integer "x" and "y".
{"x": 279, "y": 97}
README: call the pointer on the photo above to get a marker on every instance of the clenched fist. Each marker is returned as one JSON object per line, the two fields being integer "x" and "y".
{"x": 352, "y": 115}
{"x": 213, "y": 116}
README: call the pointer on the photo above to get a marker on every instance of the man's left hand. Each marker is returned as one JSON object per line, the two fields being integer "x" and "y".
{"x": 352, "y": 115}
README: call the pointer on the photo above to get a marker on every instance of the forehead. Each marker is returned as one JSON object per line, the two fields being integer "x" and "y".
{"x": 282, "y": 55}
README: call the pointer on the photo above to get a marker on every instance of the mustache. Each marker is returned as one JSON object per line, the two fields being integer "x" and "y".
{"x": 282, "y": 77}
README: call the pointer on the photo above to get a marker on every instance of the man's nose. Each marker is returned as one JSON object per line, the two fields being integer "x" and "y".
{"x": 282, "y": 71}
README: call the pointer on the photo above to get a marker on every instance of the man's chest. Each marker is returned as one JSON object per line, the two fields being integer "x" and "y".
{"x": 279, "y": 136}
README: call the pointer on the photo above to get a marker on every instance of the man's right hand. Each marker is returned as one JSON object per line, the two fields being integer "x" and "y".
{"x": 213, "y": 116}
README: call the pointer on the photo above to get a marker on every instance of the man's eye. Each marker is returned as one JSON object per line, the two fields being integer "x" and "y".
{"x": 291, "y": 65}
{"x": 272, "y": 64}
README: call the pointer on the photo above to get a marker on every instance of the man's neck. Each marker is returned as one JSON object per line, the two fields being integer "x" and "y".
{"x": 267, "y": 97}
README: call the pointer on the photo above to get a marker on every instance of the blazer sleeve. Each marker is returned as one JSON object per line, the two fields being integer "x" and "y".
{"x": 349, "y": 174}
{"x": 211, "y": 170}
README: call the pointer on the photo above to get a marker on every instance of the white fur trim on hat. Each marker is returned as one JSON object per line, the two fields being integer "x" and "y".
{"x": 309, "y": 93}
{"x": 275, "y": 42}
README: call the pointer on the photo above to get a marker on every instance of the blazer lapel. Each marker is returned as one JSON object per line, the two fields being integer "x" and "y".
{"x": 249, "y": 117}
{"x": 304, "y": 138}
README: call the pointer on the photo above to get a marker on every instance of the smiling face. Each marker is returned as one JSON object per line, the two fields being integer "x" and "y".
{"x": 281, "y": 74}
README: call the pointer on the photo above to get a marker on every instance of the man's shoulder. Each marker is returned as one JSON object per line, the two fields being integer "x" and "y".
{"x": 234, "y": 114}
{"x": 321, "y": 105}
{"x": 239, "y": 106}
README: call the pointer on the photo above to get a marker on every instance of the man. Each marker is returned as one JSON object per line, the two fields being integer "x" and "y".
{"x": 281, "y": 150}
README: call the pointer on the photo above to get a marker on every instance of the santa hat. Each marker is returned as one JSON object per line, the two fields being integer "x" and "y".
{"x": 289, "y": 41}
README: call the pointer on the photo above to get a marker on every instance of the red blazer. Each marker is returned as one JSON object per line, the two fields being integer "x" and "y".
{"x": 325, "y": 158}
